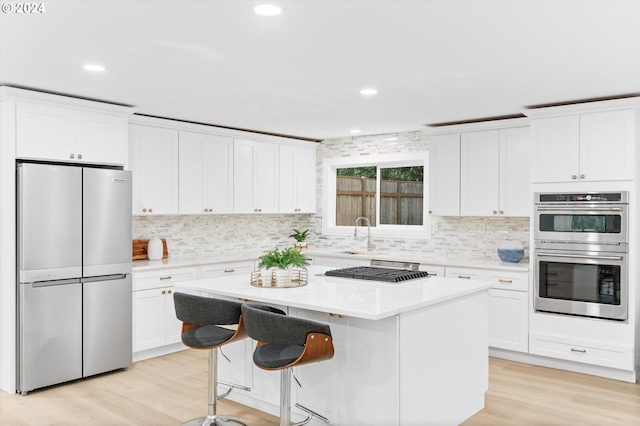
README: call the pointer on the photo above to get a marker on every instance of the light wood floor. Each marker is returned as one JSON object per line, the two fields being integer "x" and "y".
{"x": 171, "y": 389}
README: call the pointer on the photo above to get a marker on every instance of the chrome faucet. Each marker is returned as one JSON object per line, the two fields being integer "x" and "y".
{"x": 355, "y": 230}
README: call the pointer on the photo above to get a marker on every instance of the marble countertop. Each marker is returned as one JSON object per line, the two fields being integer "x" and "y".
{"x": 350, "y": 297}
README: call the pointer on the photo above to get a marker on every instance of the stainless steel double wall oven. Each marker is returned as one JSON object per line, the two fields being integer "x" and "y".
{"x": 581, "y": 254}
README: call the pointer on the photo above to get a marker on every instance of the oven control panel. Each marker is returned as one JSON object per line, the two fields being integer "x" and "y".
{"x": 591, "y": 197}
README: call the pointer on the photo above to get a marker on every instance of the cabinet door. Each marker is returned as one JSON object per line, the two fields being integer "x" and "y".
{"x": 148, "y": 319}
{"x": 101, "y": 138}
{"x": 45, "y": 132}
{"x": 244, "y": 160}
{"x": 607, "y": 146}
{"x": 479, "y": 173}
{"x": 265, "y": 194}
{"x": 515, "y": 198}
{"x": 255, "y": 177}
{"x": 206, "y": 173}
{"x": 444, "y": 175}
{"x": 556, "y": 149}
{"x": 225, "y": 269}
{"x": 154, "y": 163}
{"x": 296, "y": 181}
{"x": 173, "y": 326}
{"x": 508, "y": 320}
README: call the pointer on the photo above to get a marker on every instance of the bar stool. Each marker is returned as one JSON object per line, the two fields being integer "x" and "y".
{"x": 201, "y": 318}
{"x": 285, "y": 342}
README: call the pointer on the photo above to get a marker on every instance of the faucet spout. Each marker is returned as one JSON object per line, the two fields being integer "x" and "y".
{"x": 355, "y": 230}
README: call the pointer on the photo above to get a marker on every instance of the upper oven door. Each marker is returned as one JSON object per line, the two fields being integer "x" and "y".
{"x": 594, "y": 223}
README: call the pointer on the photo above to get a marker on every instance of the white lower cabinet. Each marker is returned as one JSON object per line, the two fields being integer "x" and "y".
{"x": 226, "y": 269}
{"x": 154, "y": 318}
{"x": 508, "y": 305}
{"x": 584, "y": 351}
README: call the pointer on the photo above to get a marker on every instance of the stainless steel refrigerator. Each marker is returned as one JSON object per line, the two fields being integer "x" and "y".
{"x": 74, "y": 273}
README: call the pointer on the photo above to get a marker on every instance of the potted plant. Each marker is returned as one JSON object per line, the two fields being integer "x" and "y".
{"x": 280, "y": 264}
{"x": 300, "y": 237}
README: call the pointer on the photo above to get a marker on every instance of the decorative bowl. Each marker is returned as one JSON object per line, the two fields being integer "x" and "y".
{"x": 511, "y": 255}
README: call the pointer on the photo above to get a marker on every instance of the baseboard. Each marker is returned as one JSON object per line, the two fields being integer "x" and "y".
{"x": 609, "y": 373}
{"x": 160, "y": 351}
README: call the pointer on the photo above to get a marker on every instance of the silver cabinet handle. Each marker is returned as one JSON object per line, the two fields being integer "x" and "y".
{"x": 578, "y": 256}
{"x": 505, "y": 281}
{"x": 229, "y": 270}
{"x": 168, "y": 277}
{"x": 464, "y": 277}
{"x": 582, "y": 351}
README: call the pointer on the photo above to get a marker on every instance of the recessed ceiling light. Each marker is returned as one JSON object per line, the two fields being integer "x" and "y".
{"x": 354, "y": 131}
{"x": 369, "y": 92}
{"x": 267, "y": 10}
{"x": 94, "y": 67}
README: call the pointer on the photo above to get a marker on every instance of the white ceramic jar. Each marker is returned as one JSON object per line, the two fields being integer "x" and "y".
{"x": 154, "y": 249}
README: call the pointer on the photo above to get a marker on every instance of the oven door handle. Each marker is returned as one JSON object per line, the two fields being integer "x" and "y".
{"x": 578, "y": 209}
{"x": 579, "y": 256}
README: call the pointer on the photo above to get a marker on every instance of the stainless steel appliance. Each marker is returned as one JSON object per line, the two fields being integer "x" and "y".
{"x": 581, "y": 254}
{"x": 381, "y": 270}
{"x": 582, "y": 218}
{"x": 74, "y": 273}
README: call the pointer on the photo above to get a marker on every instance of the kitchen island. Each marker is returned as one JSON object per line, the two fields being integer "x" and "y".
{"x": 411, "y": 353}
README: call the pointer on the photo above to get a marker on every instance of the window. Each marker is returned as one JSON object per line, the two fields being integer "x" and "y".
{"x": 389, "y": 190}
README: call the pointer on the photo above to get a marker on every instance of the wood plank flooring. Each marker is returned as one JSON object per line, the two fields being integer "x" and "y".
{"x": 172, "y": 389}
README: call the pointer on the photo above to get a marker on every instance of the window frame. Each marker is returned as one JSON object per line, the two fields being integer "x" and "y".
{"x": 329, "y": 178}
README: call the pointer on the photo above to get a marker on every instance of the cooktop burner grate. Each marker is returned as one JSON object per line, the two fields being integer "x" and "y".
{"x": 377, "y": 274}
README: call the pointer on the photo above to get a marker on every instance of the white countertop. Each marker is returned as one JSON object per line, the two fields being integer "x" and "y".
{"x": 522, "y": 266}
{"x": 173, "y": 262}
{"x": 355, "y": 298}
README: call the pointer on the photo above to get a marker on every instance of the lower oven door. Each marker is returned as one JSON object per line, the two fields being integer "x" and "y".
{"x": 591, "y": 283}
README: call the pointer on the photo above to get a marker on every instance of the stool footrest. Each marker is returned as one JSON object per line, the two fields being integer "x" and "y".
{"x": 311, "y": 413}
{"x": 231, "y": 386}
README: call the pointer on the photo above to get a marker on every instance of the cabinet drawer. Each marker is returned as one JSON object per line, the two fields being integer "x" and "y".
{"x": 509, "y": 280}
{"x": 223, "y": 269}
{"x": 465, "y": 273}
{"x": 163, "y": 277}
{"x": 587, "y": 352}
{"x": 434, "y": 271}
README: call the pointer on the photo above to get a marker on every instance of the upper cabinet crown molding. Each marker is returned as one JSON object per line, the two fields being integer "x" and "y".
{"x": 584, "y": 107}
{"x": 221, "y": 131}
{"x": 7, "y": 93}
{"x": 478, "y": 126}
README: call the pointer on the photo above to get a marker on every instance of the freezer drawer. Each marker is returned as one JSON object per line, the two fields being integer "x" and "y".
{"x": 107, "y": 332}
{"x": 50, "y": 334}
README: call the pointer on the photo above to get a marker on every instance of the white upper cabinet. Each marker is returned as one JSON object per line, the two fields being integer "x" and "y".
{"x": 255, "y": 177}
{"x": 494, "y": 173}
{"x": 154, "y": 162}
{"x": 585, "y": 146}
{"x": 480, "y": 173}
{"x": 206, "y": 173}
{"x": 444, "y": 175}
{"x": 514, "y": 194}
{"x": 60, "y": 133}
{"x": 297, "y": 186}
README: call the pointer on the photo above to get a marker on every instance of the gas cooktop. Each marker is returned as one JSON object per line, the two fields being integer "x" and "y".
{"x": 377, "y": 274}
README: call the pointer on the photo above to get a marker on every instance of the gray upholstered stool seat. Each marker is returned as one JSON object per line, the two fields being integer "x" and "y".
{"x": 285, "y": 342}
{"x": 201, "y": 320}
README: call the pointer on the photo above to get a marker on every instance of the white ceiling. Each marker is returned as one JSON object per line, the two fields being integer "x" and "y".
{"x": 300, "y": 73}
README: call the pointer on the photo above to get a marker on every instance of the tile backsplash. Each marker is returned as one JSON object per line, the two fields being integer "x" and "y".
{"x": 473, "y": 238}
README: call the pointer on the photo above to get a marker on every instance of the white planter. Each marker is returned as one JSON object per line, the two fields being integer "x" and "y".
{"x": 282, "y": 277}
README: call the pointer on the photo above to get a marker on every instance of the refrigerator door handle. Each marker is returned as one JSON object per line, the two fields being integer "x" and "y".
{"x": 54, "y": 283}
{"x": 104, "y": 278}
